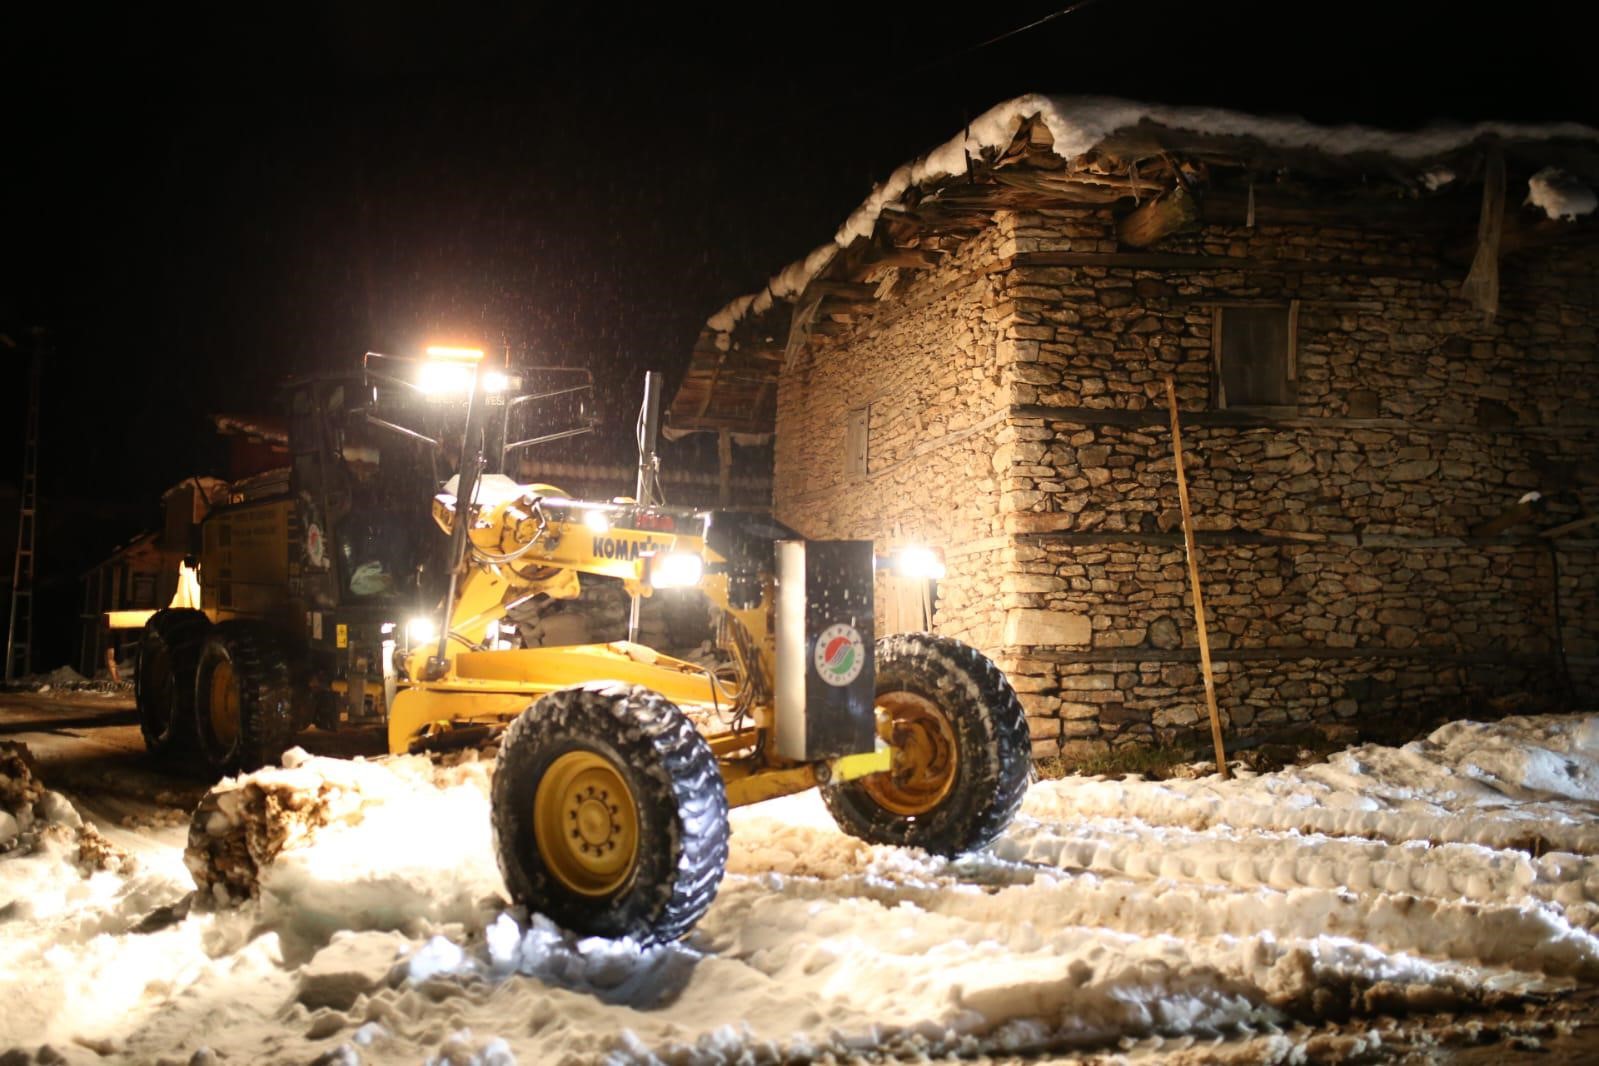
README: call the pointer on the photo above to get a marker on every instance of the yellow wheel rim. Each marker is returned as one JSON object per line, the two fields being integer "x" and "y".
{"x": 224, "y": 704}
{"x": 924, "y": 753}
{"x": 585, "y": 823}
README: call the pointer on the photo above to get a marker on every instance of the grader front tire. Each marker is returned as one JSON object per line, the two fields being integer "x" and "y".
{"x": 609, "y": 813}
{"x": 961, "y": 750}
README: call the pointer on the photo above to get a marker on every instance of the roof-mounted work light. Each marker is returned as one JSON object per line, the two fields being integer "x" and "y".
{"x": 449, "y": 371}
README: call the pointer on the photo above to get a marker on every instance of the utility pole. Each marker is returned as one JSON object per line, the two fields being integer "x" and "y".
{"x": 19, "y": 631}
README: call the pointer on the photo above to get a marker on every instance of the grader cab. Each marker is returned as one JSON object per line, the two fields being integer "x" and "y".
{"x": 617, "y": 764}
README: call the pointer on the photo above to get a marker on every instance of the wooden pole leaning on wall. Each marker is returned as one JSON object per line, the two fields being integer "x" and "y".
{"x": 1193, "y": 579}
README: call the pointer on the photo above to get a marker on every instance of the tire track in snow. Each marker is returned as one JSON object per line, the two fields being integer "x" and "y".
{"x": 1127, "y": 888}
{"x": 1536, "y": 795}
{"x": 1009, "y": 962}
{"x": 1287, "y": 860}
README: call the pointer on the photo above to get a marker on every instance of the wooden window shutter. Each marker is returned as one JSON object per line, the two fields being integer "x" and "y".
{"x": 855, "y": 442}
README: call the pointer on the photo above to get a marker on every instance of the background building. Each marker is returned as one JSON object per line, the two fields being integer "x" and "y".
{"x": 1384, "y": 348}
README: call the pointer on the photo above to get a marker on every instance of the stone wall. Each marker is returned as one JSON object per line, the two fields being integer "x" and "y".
{"x": 1341, "y": 575}
{"x": 925, "y": 366}
{"x": 1018, "y": 421}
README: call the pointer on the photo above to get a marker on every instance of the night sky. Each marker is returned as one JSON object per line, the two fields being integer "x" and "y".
{"x": 198, "y": 209}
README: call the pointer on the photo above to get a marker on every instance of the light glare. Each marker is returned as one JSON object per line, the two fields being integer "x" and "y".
{"x": 445, "y": 377}
{"x": 422, "y": 630}
{"x": 597, "y": 521}
{"x": 919, "y": 563}
{"x": 676, "y": 570}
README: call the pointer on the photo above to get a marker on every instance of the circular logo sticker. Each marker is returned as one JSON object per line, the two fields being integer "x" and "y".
{"x": 316, "y": 548}
{"x": 840, "y": 655}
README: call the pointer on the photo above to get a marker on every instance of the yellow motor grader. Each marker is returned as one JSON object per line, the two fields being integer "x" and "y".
{"x": 368, "y": 584}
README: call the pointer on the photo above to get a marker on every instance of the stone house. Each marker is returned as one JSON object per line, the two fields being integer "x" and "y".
{"x": 1385, "y": 348}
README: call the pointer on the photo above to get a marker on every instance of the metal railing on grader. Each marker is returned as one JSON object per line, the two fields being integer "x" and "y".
{"x": 617, "y": 764}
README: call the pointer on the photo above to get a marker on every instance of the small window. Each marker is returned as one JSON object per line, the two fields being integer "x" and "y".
{"x": 855, "y": 442}
{"x": 1255, "y": 355}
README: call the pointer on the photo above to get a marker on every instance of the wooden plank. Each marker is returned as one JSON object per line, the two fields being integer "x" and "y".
{"x": 849, "y": 291}
{"x": 1075, "y": 185}
{"x": 1193, "y": 577}
{"x": 724, "y": 468}
{"x": 1118, "y": 416}
{"x": 1517, "y": 513}
{"x": 1445, "y": 213}
{"x": 799, "y": 329}
{"x": 1570, "y": 527}
{"x": 1481, "y": 286}
{"x": 1257, "y": 538}
{"x": 1290, "y": 653}
{"x": 1175, "y": 262}
{"x": 904, "y": 258}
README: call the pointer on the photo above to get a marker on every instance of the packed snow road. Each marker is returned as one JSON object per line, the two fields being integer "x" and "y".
{"x": 351, "y": 913}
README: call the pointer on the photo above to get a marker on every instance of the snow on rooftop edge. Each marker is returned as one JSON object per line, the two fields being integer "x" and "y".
{"x": 1079, "y": 123}
{"x": 1559, "y": 195}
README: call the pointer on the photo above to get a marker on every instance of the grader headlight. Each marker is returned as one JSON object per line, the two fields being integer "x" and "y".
{"x": 676, "y": 570}
{"x": 448, "y": 371}
{"x": 422, "y": 630}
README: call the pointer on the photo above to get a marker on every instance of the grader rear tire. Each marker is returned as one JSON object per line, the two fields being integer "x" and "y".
{"x": 962, "y": 752}
{"x": 243, "y": 698}
{"x": 163, "y": 680}
{"x": 609, "y": 813}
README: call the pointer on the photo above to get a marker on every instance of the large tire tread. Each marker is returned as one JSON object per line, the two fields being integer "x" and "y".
{"x": 679, "y": 798}
{"x": 163, "y": 680}
{"x": 995, "y": 749}
{"x": 263, "y": 666}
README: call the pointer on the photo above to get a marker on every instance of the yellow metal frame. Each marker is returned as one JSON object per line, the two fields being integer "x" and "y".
{"x": 539, "y": 554}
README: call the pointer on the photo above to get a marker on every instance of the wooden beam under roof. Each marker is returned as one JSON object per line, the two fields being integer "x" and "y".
{"x": 905, "y": 258}
{"x": 1176, "y": 212}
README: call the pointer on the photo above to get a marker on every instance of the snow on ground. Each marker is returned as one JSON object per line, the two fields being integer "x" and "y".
{"x": 352, "y": 913}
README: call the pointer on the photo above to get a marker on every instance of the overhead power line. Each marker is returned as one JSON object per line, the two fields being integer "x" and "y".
{"x": 1067, "y": 10}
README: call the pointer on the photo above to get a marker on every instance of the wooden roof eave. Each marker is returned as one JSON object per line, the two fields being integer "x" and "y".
{"x": 1133, "y": 164}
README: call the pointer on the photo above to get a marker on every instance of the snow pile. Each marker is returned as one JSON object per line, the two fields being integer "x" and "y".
{"x": 1559, "y": 195}
{"x": 350, "y": 912}
{"x": 1078, "y": 124}
{"x": 66, "y": 679}
{"x": 62, "y": 677}
{"x": 1435, "y": 178}
{"x": 31, "y": 814}
{"x": 69, "y": 897}
{"x": 328, "y": 844}
{"x": 1502, "y": 785}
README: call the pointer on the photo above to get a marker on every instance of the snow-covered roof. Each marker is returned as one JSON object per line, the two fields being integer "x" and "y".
{"x": 1074, "y": 128}
{"x": 1079, "y": 124}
